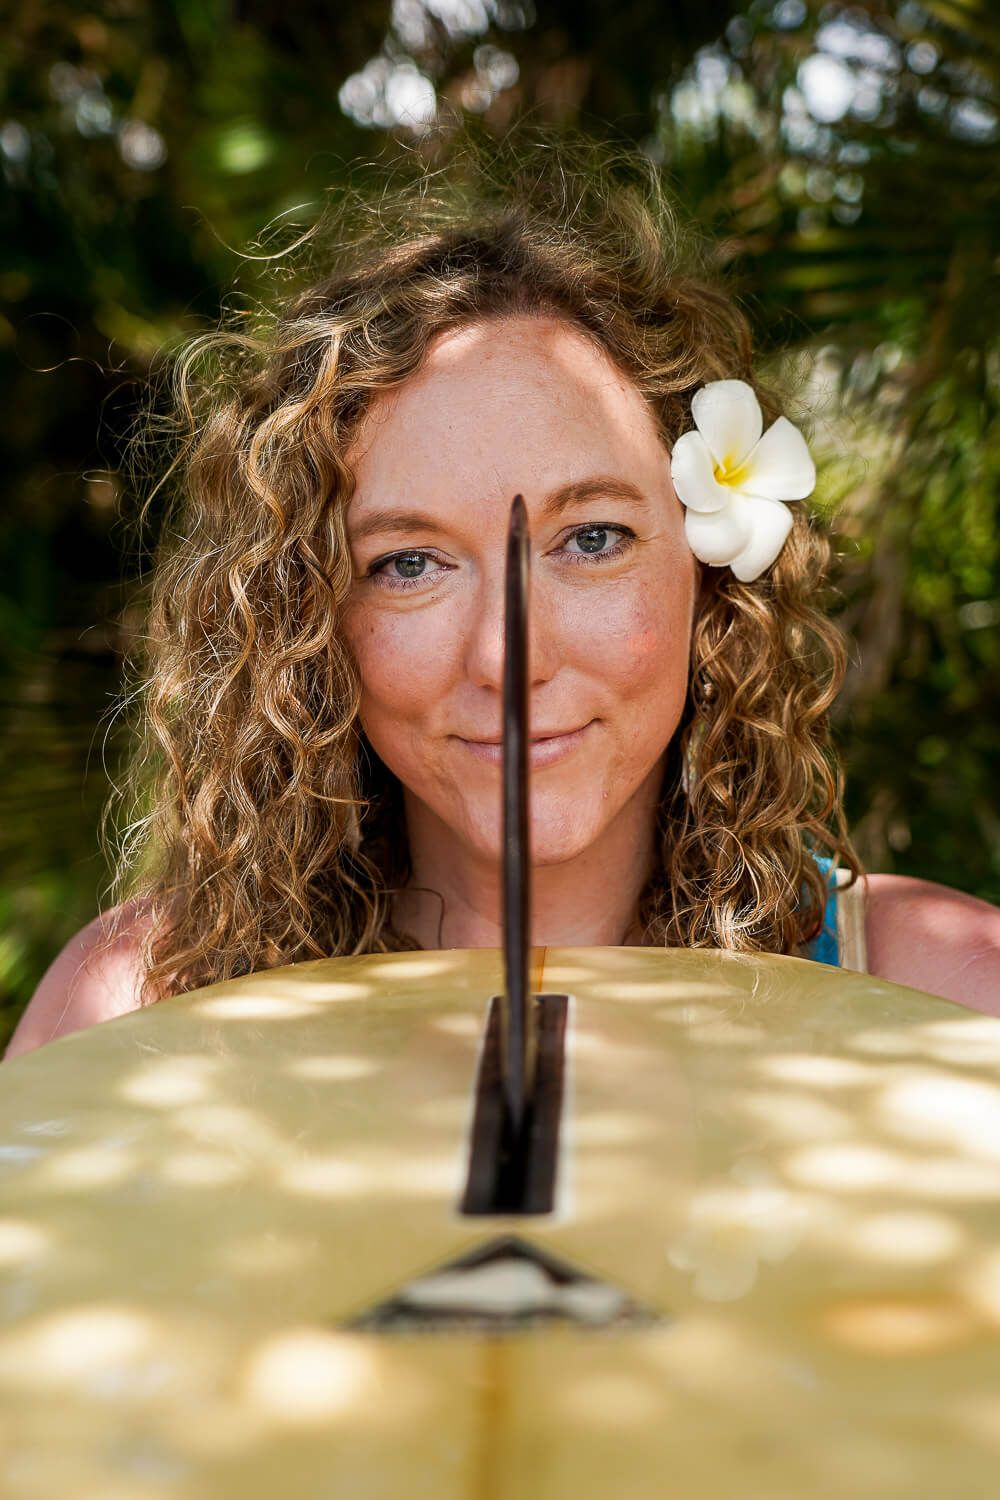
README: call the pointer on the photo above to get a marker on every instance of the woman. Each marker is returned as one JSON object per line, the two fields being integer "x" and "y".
{"x": 320, "y": 767}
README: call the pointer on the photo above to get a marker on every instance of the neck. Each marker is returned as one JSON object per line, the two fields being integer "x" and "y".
{"x": 454, "y": 896}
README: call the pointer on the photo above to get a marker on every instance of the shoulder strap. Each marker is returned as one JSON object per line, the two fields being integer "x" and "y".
{"x": 851, "y": 937}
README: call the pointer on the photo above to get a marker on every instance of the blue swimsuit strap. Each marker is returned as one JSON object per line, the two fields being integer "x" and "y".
{"x": 825, "y": 948}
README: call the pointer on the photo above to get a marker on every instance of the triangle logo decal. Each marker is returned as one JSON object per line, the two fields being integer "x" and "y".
{"x": 506, "y": 1285}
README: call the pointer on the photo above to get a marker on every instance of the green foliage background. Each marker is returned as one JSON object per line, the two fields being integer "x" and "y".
{"x": 845, "y": 157}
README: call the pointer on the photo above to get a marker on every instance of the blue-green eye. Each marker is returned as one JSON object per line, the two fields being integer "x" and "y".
{"x": 592, "y": 541}
{"x": 409, "y": 564}
{"x": 402, "y": 570}
{"x": 592, "y": 538}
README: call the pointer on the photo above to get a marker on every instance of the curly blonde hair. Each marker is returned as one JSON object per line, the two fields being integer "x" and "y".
{"x": 267, "y": 830}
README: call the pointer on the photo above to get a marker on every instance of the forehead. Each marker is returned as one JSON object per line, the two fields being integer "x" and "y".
{"x": 519, "y": 403}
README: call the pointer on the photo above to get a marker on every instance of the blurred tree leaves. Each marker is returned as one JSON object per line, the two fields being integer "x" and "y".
{"x": 843, "y": 155}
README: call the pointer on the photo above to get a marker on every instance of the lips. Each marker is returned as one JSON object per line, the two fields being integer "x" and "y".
{"x": 543, "y": 749}
{"x": 544, "y": 734}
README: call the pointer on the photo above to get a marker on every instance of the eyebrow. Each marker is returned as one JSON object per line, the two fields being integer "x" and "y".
{"x": 594, "y": 487}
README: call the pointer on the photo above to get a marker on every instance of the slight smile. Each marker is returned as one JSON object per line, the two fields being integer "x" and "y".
{"x": 544, "y": 750}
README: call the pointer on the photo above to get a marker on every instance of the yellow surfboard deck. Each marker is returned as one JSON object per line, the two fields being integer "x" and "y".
{"x": 790, "y": 1174}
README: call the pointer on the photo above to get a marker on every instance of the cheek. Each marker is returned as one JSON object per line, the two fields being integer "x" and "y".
{"x": 403, "y": 660}
{"x": 643, "y": 648}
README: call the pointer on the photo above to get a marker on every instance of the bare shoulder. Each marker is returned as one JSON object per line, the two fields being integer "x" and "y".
{"x": 936, "y": 939}
{"x": 98, "y": 975}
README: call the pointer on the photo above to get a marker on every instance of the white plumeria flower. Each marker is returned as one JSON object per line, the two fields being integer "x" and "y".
{"x": 735, "y": 482}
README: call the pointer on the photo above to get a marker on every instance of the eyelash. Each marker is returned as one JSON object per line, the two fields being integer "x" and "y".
{"x": 382, "y": 580}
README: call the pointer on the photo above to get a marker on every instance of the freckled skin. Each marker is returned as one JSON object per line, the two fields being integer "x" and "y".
{"x": 523, "y": 406}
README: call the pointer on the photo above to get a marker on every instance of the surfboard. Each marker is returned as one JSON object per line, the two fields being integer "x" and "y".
{"x": 234, "y": 1259}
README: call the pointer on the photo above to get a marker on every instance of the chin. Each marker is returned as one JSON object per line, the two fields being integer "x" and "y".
{"x": 560, "y": 828}
{"x": 567, "y": 820}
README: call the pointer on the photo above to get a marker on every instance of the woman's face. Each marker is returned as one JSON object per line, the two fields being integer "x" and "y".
{"x": 525, "y": 405}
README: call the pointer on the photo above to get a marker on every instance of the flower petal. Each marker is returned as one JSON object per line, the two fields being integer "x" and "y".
{"x": 692, "y": 469}
{"x": 720, "y": 536}
{"x": 781, "y": 466}
{"x": 728, "y": 416}
{"x": 770, "y": 523}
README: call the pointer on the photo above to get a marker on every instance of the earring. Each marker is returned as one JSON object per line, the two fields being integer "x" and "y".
{"x": 689, "y": 760}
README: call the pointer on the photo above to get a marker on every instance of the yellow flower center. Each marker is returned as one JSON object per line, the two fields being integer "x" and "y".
{"x": 730, "y": 472}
